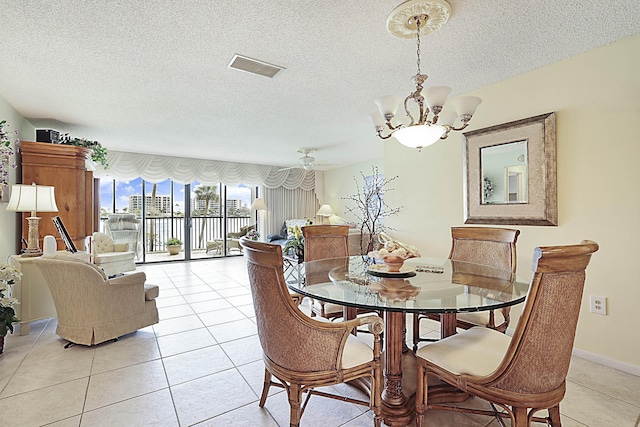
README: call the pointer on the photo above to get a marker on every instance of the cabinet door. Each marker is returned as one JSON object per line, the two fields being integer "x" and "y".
{"x": 63, "y": 167}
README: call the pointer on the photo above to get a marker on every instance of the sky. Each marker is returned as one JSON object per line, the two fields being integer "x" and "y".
{"x": 126, "y": 188}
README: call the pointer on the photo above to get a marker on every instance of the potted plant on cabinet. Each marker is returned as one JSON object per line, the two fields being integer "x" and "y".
{"x": 174, "y": 245}
{"x": 98, "y": 152}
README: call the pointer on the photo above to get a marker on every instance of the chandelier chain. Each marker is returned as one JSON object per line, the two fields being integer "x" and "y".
{"x": 418, "y": 43}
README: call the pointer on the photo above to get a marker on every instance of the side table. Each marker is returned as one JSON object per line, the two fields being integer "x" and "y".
{"x": 293, "y": 269}
{"x": 32, "y": 291}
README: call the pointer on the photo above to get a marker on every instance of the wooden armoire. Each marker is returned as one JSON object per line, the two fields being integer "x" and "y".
{"x": 76, "y": 191}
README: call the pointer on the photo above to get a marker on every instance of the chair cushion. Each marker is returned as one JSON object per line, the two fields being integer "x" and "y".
{"x": 355, "y": 353}
{"x": 120, "y": 247}
{"x": 329, "y": 308}
{"x": 113, "y": 257}
{"x": 151, "y": 292}
{"x": 481, "y": 318}
{"x": 476, "y": 351}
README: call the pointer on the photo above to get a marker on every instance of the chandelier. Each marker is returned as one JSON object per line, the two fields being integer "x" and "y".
{"x": 428, "y": 123}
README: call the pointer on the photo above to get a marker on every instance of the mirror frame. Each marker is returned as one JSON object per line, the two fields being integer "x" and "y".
{"x": 542, "y": 205}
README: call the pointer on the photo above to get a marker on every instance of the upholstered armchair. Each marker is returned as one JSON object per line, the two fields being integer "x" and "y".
{"x": 92, "y": 308}
{"x": 125, "y": 228}
{"x": 113, "y": 258}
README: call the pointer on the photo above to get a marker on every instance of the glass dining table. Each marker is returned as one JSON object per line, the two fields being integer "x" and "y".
{"x": 423, "y": 285}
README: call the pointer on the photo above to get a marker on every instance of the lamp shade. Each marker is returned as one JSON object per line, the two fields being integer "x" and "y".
{"x": 376, "y": 119}
{"x": 32, "y": 198}
{"x": 447, "y": 118}
{"x": 258, "y": 205}
{"x": 419, "y": 136}
{"x": 388, "y": 104}
{"x": 437, "y": 95}
{"x": 325, "y": 210}
{"x": 466, "y": 105}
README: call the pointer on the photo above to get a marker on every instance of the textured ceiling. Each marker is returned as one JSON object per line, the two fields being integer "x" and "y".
{"x": 152, "y": 77}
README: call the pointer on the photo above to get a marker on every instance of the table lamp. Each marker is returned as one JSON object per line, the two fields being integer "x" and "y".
{"x": 325, "y": 212}
{"x": 32, "y": 198}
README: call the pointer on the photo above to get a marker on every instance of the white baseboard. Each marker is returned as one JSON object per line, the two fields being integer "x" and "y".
{"x": 607, "y": 361}
{"x": 596, "y": 358}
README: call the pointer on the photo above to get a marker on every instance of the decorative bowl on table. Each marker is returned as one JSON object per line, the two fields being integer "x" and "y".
{"x": 393, "y": 262}
{"x": 393, "y": 253}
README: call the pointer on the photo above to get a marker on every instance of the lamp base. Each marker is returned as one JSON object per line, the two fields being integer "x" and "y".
{"x": 33, "y": 247}
{"x": 32, "y": 252}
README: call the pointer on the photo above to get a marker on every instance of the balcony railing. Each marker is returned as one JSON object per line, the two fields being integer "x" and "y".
{"x": 158, "y": 230}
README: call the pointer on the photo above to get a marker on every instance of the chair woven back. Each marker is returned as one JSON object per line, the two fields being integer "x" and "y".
{"x": 325, "y": 241}
{"x": 494, "y": 247}
{"x": 538, "y": 357}
{"x": 287, "y": 336}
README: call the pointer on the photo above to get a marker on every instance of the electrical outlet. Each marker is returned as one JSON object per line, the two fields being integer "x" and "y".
{"x": 598, "y": 305}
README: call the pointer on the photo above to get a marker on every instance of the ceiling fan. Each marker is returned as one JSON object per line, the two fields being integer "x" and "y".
{"x": 306, "y": 161}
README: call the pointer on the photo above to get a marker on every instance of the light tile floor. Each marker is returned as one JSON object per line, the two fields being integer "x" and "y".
{"x": 201, "y": 365}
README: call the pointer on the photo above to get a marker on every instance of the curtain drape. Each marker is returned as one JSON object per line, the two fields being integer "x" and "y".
{"x": 155, "y": 168}
{"x": 286, "y": 204}
{"x": 294, "y": 193}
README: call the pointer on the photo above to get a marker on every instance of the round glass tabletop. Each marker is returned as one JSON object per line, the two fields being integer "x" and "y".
{"x": 426, "y": 285}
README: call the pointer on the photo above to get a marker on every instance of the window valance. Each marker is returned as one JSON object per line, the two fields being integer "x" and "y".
{"x": 155, "y": 168}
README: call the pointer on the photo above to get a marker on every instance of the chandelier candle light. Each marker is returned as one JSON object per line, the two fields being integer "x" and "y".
{"x": 32, "y": 198}
{"x": 429, "y": 123}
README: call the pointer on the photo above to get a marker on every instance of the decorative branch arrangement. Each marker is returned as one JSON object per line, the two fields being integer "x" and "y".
{"x": 370, "y": 208}
{"x": 98, "y": 152}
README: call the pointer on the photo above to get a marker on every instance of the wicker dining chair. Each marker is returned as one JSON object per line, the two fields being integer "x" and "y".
{"x": 525, "y": 373}
{"x": 493, "y": 247}
{"x": 322, "y": 242}
{"x": 303, "y": 353}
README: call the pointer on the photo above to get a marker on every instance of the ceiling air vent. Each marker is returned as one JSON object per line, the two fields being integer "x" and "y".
{"x": 249, "y": 65}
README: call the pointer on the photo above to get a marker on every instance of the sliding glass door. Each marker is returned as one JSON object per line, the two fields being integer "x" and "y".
{"x": 204, "y": 220}
{"x": 238, "y": 216}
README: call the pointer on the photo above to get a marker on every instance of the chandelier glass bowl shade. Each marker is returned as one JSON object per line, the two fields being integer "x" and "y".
{"x": 428, "y": 123}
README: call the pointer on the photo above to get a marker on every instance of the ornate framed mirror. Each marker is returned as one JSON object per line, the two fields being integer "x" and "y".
{"x": 510, "y": 173}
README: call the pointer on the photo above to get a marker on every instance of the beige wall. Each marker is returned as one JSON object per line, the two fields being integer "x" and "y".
{"x": 596, "y": 97}
{"x": 9, "y": 234}
{"x": 340, "y": 182}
